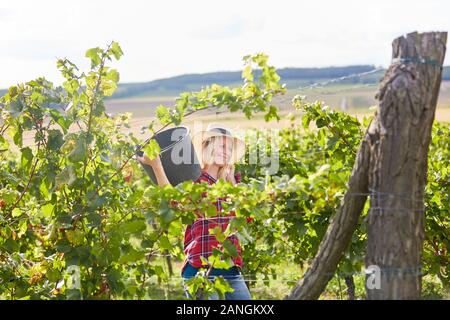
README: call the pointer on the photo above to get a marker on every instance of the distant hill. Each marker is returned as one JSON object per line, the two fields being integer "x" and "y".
{"x": 188, "y": 82}
{"x": 293, "y": 77}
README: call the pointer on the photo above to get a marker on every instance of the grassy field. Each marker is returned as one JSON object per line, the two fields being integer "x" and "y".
{"x": 287, "y": 275}
{"x": 354, "y": 99}
{"x": 350, "y": 98}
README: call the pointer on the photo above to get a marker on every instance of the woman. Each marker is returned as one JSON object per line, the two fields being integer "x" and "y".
{"x": 218, "y": 150}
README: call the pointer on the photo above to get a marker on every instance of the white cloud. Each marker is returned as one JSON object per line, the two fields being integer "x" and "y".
{"x": 166, "y": 38}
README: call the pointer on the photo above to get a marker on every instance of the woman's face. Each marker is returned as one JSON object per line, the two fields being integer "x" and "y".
{"x": 223, "y": 150}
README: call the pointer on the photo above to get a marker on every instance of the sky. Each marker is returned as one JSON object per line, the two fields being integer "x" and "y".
{"x": 167, "y": 38}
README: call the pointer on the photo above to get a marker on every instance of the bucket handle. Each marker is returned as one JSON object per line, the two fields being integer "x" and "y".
{"x": 140, "y": 153}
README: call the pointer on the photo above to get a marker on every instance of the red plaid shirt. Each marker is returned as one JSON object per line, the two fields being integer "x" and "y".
{"x": 197, "y": 240}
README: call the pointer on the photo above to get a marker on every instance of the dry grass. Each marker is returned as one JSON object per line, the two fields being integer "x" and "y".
{"x": 355, "y": 96}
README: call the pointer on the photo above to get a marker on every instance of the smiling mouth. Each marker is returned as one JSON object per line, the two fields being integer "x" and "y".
{"x": 223, "y": 158}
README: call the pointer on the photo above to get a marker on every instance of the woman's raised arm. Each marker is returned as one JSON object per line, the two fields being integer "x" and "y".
{"x": 157, "y": 167}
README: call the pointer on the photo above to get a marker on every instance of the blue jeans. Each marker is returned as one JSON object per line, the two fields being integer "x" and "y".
{"x": 232, "y": 275}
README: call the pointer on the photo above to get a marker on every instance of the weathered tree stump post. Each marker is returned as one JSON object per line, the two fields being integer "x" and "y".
{"x": 392, "y": 164}
{"x": 400, "y": 137}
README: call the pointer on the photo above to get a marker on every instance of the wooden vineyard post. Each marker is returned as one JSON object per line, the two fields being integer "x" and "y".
{"x": 391, "y": 165}
{"x": 399, "y": 143}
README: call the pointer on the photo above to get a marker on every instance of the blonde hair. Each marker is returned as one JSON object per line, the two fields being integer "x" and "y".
{"x": 208, "y": 156}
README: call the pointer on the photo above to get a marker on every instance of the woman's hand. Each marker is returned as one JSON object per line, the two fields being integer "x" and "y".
{"x": 157, "y": 167}
{"x": 146, "y": 160}
{"x": 230, "y": 174}
{"x": 231, "y": 170}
